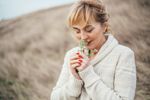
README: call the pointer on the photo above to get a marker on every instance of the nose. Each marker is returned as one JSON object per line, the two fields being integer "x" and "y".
{"x": 84, "y": 36}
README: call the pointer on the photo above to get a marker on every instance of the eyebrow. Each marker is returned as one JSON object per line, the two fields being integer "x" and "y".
{"x": 75, "y": 28}
{"x": 84, "y": 27}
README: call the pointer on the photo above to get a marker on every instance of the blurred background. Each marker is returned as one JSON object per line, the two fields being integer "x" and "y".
{"x": 34, "y": 38}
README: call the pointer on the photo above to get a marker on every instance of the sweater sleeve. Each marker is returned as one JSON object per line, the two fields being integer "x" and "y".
{"x": 67, "y": 86}
{"x": 124, "y": 82}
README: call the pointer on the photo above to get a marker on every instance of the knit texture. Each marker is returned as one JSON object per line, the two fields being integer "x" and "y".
{"x": 111, "y": 75}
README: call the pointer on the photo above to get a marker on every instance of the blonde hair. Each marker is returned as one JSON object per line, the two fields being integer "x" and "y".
{"x": 85, "y": 11}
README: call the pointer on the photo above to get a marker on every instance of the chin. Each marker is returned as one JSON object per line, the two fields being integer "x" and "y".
{"x": 91, "y": 46}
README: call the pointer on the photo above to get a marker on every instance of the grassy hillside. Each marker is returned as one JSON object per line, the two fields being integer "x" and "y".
{"x": 32, "y": 48}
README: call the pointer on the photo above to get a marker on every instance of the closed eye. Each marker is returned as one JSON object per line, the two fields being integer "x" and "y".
{"x": 89, "y": 28}
{"x": 76, "y": 30}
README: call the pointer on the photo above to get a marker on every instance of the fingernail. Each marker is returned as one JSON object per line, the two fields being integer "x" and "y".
{"x": 80, "y": 60}
{"x": 80, "y": 56}
{"x": 79, "y": 63}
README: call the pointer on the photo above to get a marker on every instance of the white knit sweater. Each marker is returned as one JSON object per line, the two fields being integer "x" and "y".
{"x": 111, "y": 75}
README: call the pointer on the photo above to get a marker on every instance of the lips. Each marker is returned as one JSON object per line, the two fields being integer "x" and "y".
{"x": 89, "y": 42}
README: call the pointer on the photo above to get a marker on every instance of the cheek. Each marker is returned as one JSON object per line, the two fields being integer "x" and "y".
{"x": 96, "y": 35}
{"x": 98, "y": 32}
{"x": 78, "y": 36}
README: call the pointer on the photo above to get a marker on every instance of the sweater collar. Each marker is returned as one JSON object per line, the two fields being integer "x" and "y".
{"x": 106, "y": 48}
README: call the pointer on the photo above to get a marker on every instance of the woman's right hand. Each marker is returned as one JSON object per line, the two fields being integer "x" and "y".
{"x": 75, "y": 62}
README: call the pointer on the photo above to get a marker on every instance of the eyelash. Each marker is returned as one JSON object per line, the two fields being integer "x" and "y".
{"x": 78, "y": 31}
{"x": 90, "y": 30}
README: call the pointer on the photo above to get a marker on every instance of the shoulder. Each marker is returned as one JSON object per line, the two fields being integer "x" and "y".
{"x": 126, "y": 59}
{"x": 126, "y": 55}
{"x": 124, "y": 50}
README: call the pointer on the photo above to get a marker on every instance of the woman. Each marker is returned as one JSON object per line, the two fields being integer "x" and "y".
{"x": 110, "y": 74}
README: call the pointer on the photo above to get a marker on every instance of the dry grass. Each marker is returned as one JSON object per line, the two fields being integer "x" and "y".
{"x": 32, "y": 48}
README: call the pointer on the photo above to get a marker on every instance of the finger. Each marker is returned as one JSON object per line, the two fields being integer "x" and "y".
{"x": 84, "y": 56}
{"x": 75, "y": 65}
{"x": 76, "y": 57}
{"x": 76, "y": 61}
{"x": 82, "y": 66}
{"x": 79, "y": 55}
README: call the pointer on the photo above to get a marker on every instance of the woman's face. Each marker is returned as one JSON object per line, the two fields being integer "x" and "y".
{"x": 92, "y": 33}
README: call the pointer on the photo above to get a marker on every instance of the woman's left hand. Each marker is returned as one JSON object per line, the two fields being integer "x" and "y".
{"x": 85, "y": 62}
